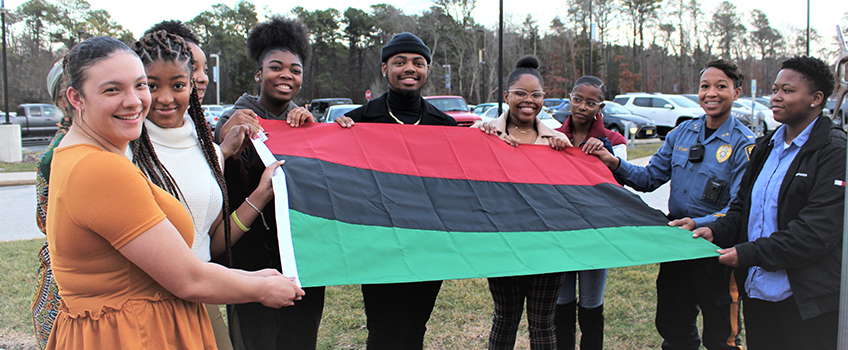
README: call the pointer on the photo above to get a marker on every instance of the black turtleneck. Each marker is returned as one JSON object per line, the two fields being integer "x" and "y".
{"x": 404, "y": 107}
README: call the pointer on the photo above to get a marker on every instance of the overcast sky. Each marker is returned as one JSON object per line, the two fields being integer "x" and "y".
{"x": 138, "y": 16}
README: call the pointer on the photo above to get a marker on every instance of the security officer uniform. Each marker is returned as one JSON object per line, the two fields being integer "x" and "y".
{"x": 705, "y": 172}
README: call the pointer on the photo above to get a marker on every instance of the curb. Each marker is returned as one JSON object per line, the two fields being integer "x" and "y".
{"x": 17, "y": 179}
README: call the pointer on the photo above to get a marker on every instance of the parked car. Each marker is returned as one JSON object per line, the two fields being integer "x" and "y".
{"x": 36, "y": 119}
{"x": 667, "y": 111}
{"x": 554, "y": 104}
{"x": 618, "y": 119}
{"x": 837, "y": 117}
{"x": 739, "y": 110}
{"x": 491, "y": 112}
{"x": 456, "y": 107}
{"x": 318, "y": 107}
{"x": 483, "y": 107}
{"x": 212, "y": 113}
{"x": 336, "y": 111}
{"x": 762, "y": 112}
{"x": 544, "y": 117}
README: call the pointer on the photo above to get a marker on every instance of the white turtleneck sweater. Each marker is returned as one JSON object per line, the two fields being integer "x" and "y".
{"x": 179, "y": 151}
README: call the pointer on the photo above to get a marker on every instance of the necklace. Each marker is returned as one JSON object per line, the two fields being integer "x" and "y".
{"x": 396, "y": 118}
{"x": 521, "y": 131}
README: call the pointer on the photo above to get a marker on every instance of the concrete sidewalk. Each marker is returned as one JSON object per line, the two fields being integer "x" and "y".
{"x": 17, "y": 179}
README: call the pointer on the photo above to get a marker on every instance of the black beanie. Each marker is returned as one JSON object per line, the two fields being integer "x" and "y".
{"x": 405, "y": 42}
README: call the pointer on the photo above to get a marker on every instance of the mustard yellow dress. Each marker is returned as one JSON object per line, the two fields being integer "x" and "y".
{"x": 99, "y": 201}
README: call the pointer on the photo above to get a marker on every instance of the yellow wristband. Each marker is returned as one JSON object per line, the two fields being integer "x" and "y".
{"x": 238, "y": 223}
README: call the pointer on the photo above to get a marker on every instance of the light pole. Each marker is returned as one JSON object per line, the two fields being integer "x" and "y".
{"x": 484, "y": 93}
{"x": 447, "y": 77}
{"x": 5, "y": 74}
{"x": 215, "y": 78}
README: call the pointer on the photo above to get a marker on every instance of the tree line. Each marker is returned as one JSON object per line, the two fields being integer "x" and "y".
{"x": 633, "y": 45}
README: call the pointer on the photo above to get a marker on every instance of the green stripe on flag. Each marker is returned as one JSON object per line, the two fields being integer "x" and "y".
{"x": 330, "y": 252}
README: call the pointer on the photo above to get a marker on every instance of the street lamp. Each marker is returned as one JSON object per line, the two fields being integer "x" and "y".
{"x": 215, "y": 78}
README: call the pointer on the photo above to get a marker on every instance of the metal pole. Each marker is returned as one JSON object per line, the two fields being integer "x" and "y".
{"x": 500, "y": 57}
{"x": 215, "y": 74}
{"x": 5, "y": 72}
{"x": 484, "y": 93}
{"x": 447, "y": 77}
{"x": 808, "y": 27}
{"x": 842, "y": 91}
{"x": 591, "y": 39}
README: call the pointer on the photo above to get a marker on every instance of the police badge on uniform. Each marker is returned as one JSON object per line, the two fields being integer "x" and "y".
{"x": 723, "y": 153}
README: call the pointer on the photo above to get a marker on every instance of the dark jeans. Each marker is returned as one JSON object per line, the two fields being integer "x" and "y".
{"x": 778, "y": 325}
{"x": 256, "y": 327}
{"x": 683, "y": 289}
{"x": 397, "y": 313}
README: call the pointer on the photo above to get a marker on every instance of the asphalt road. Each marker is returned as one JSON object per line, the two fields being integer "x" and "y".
{"x": 18, "y": 214}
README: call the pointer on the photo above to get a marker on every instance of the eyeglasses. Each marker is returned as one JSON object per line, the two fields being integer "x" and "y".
{"x": 521, "y": 94}
{"x": 579, "y": 101}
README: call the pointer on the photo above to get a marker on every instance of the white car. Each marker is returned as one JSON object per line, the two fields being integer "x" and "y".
{"x": 544, "y": 117}
{"x": 762, "y": 112}
{"x": 667, "y": 111}
{"x": 336, "y": 111}
{"x": 212, "y": 113}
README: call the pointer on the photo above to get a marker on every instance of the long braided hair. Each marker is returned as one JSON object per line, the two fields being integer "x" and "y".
{"x": 161, "y": 46}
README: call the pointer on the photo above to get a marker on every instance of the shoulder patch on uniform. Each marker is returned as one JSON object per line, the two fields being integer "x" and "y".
{"x": 723, "y": 153}
{"x": 748, "y": 150}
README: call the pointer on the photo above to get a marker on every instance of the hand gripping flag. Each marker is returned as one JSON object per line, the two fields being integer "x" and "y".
{"x": 384, "y": 203}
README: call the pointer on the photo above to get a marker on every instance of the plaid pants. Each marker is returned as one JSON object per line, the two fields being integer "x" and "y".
{"x": 541, "y": 292}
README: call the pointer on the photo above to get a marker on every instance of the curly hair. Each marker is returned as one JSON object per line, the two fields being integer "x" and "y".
{"x": 815, "y": 71}
{"x": 525, "y": 65}
{"x": 278, "y": 33}
{"x": 162, "y": 46}
{"x": 177, "y": 28}
{"x": 730, "y": 69}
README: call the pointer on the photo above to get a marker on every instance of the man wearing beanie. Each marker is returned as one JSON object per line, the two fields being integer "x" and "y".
{"x": 397, "y": 313}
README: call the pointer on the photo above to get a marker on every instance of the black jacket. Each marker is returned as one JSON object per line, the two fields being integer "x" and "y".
{"x": 257, "y": 249}
{"x": 808, "y": 243}
{"x": 376, "y": 111}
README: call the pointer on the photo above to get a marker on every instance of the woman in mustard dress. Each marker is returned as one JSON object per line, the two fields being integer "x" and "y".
{"x": 119, "y": 244}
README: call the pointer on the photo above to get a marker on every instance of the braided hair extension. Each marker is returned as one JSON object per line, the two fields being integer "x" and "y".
{"x": 144, "y": 156}
{"x": 204, "y": 136}
{"x": 162, "y": 46}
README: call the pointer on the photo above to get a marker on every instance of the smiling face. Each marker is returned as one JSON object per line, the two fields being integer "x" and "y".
{"x": 591, "y": 102}
{"x": 716, "y": 93}
{"x": 524, "y": 109}
{"x": 114, "y": 98}
{"x": 280, "y": 77}
{"x": 792, "y": 98}
{"x": 406, "y": 73}
{"x": 198, "y": 70}
{"x": 170, "y": 91}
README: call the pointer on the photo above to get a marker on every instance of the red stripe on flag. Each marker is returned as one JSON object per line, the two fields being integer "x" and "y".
{"x": 436, "y": 151}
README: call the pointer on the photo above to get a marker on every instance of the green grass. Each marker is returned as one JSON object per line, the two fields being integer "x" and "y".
{"x": 18, "y": 263}
{"x": 17, "y": 167}
{"x": 28, "y": 164}
{"x": 461, "y": 319}
{"x": 643, "y": 150}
